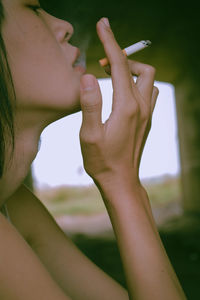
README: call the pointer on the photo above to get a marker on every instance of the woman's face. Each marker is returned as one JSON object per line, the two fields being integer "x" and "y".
{"x": 40, "y": 57}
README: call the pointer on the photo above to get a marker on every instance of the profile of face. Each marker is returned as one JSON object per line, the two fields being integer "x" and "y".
{"x": 41, "y": 58}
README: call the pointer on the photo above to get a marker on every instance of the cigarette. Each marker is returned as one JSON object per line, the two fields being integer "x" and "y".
{"x": 128, "y": 51}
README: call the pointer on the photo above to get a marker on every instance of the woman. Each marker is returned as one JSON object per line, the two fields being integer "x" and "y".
{"x": 37, "y": 260}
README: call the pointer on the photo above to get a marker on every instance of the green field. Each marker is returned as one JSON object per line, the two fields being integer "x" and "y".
{"x": 76, "y": 200}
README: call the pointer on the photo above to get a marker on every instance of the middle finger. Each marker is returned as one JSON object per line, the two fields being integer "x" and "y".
{"x": 145, "y": 78}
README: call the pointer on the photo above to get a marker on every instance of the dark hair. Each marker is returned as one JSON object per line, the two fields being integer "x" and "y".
{"x": 6, "y": 109}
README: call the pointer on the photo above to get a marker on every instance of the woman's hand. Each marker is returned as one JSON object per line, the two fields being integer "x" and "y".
{"x": 112, "y": 153}
{"x": 115, "y": 148}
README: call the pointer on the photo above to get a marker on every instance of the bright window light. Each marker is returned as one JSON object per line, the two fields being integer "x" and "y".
{"x": 59, "y": 161}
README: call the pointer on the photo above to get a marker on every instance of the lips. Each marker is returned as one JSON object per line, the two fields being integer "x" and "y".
{"x": 80, "y": 69}
{"x": 80, "y": 61}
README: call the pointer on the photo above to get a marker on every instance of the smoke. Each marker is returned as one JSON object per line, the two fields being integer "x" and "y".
{"x": 82, "y": 41}
{"x": 81, "y": 61}
{"x": 79, "y": 14}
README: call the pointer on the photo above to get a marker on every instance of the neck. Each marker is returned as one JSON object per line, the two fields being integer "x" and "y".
{"x": 28, "y": 128}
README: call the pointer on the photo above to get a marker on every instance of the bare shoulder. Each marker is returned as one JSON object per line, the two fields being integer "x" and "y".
{"x": 22, "y": 274}
{"x": 32, "y": 219}
{"x": 27, "y": 213}
{"x": 64, "y": 261}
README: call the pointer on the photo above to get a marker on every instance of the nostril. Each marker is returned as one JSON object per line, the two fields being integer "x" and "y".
{"x": 69, "y": 32}
{"x": 67, "y": 36}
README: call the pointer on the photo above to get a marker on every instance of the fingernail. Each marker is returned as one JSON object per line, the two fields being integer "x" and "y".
{"x": 106, "y": 21}
{"x": 87, "y": 82}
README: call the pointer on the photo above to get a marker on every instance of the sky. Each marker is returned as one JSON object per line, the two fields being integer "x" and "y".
{"x": 59, "y": 161}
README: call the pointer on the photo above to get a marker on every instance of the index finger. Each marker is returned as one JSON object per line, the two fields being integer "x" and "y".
{"x": 121, "y": 76}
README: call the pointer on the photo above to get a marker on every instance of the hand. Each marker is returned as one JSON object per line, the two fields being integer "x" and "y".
{"x": 115, "y": 147}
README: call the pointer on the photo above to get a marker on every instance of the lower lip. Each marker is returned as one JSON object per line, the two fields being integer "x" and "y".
{"x": 80, "y": 69}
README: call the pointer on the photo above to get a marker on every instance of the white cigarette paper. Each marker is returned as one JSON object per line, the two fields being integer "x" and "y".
{"x": 128, "y": 51}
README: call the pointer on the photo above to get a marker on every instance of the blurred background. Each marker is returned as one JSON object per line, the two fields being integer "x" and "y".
{"x": 170, "y": 167}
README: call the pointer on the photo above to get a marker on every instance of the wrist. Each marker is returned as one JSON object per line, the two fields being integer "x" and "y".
{"x": 112, "y": 179}
{"x": 116, "y": 188}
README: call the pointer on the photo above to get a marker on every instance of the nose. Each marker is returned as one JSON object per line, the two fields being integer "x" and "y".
{"x": 62, "y": 29}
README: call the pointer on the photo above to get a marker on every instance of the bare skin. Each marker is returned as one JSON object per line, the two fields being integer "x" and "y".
{"x": 46, "y": 84}
{"x": 39, "y": 261}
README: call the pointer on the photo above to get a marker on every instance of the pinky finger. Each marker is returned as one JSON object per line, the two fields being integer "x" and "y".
{"x": 154, "y": 98}
{"x": 155, "y": 92}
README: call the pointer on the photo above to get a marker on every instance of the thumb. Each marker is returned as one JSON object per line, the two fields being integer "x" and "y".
{"x": 91, "y": 101}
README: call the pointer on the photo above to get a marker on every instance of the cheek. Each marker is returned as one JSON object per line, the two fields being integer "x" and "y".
{"x": 41, "y": 74}
{"x": 45, "y": 82}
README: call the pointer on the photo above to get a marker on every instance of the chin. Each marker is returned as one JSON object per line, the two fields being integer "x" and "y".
{"x": 72, "y": 110}
{"x": 69, "y": 109}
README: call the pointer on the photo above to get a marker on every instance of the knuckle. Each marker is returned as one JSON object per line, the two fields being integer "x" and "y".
{"x": 132, "y": 110}
{"x": 150, "y": 70}
{"x": 90, "y": 108}
{"x": 144, "y": 115}
{"x": 89, "y": 138}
